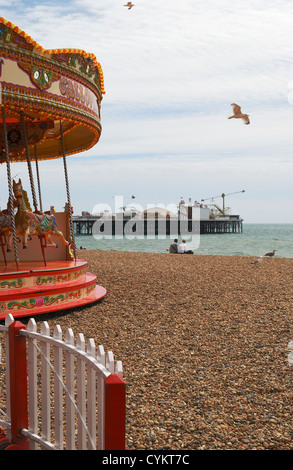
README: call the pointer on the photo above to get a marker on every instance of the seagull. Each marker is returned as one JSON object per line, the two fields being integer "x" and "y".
{"x": 238, "y": 114}
{"x": 256, "y": 261}
{"x": 290, "y": 355}
{"x": 129, "y": 5}
{"x": 272, "y": 253}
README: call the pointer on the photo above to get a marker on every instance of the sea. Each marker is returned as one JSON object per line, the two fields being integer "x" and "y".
{"x": 255, "y": 240}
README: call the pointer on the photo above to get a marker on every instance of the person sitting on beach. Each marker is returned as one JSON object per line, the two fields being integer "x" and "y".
{"x": 182, "y": 248}
{"x": 174, "y": 246}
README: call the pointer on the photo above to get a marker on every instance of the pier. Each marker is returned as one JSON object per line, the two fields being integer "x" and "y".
{"x": 84, "y": 225}
{"x": 221, "y": 226}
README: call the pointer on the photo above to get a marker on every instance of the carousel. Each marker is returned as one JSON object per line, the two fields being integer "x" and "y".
{"x": 50, "y": 108}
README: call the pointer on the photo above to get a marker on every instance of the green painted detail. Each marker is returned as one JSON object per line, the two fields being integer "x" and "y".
{"x": 44, "y": 280}
{"x": 31, "y": 303}
{"x": 52, "y": 300}
{"x": 14, "y": 284}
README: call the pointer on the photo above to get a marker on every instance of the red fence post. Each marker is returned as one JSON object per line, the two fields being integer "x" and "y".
{"x": 115, "y": 412}
{"x": 18, "y": 384}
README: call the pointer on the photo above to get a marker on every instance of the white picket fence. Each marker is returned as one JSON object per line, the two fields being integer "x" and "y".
{"x": 65, "y": 387}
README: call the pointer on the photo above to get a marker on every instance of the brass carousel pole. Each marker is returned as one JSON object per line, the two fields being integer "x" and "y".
{"x": 38, "y": 179}
{"x": 28, "y": 159}
{"x": 11, "y": 208}
{"x": 68, "y": 193}
{"x": 29, "y": 165}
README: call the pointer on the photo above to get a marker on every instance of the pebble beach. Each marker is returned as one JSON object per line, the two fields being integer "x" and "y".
{"x": 203, "y": 341}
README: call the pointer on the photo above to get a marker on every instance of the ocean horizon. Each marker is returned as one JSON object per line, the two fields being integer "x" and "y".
{"x": 255, "y": 240}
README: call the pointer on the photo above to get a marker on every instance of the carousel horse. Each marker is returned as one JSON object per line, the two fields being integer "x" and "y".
{"x": 5, "y": 222}
{"x": 5, "y": 228}
{"x": 29, "y": 223}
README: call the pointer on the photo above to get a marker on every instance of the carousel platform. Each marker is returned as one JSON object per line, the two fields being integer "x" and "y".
{"x": 35, "y": 289}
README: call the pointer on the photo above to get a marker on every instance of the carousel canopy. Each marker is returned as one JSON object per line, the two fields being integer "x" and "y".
{"x": 50, "y": 89}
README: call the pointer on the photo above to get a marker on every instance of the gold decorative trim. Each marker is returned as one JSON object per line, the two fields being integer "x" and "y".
{"x": 26, "y": 41}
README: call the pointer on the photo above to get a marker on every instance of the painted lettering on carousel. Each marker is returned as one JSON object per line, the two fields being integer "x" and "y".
{"x": 19, "y": 78}
{"x": 77, "y": 92}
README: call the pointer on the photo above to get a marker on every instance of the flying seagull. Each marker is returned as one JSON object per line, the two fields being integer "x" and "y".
{"x": 272, "y": 253}
{"x": 238, "y": 114}
{"x": 129, "y": 5}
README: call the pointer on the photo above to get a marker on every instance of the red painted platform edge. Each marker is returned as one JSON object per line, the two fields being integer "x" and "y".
{"x": 44, "y": 269}
{"x": 84, "y": 281}
{"x": 97, "y": 294}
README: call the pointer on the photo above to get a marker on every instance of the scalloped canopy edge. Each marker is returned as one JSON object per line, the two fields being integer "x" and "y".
{"x": 31, "y": 41}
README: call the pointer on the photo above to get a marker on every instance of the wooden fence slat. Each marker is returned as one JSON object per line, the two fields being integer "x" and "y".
{"x": 45, "y": 381}
{"x": 32, "y": 383}
{"x": 119, "y": 369}
{"x": 58, "y": 389}
{"x": 91, "y": 391}
{"x": 110, "y": 362}
{"x": 81, "y": 395}
{"x": 100, "y": 403}
{"x": 101, "y": 357}
{"x": 69, "y": 375}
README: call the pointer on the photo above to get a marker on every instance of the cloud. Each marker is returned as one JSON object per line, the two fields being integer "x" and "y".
{"x": 171, "y": 72}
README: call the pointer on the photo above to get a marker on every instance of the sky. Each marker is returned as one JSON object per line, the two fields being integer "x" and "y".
{"x": 171, "y": 71}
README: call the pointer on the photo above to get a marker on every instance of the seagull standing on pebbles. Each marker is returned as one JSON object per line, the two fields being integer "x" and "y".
{"x": 256, "y": 261}
{"x": 271, "y": 253}
{"x": 129, "y": 5}
{"x": 238, "y": 114}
